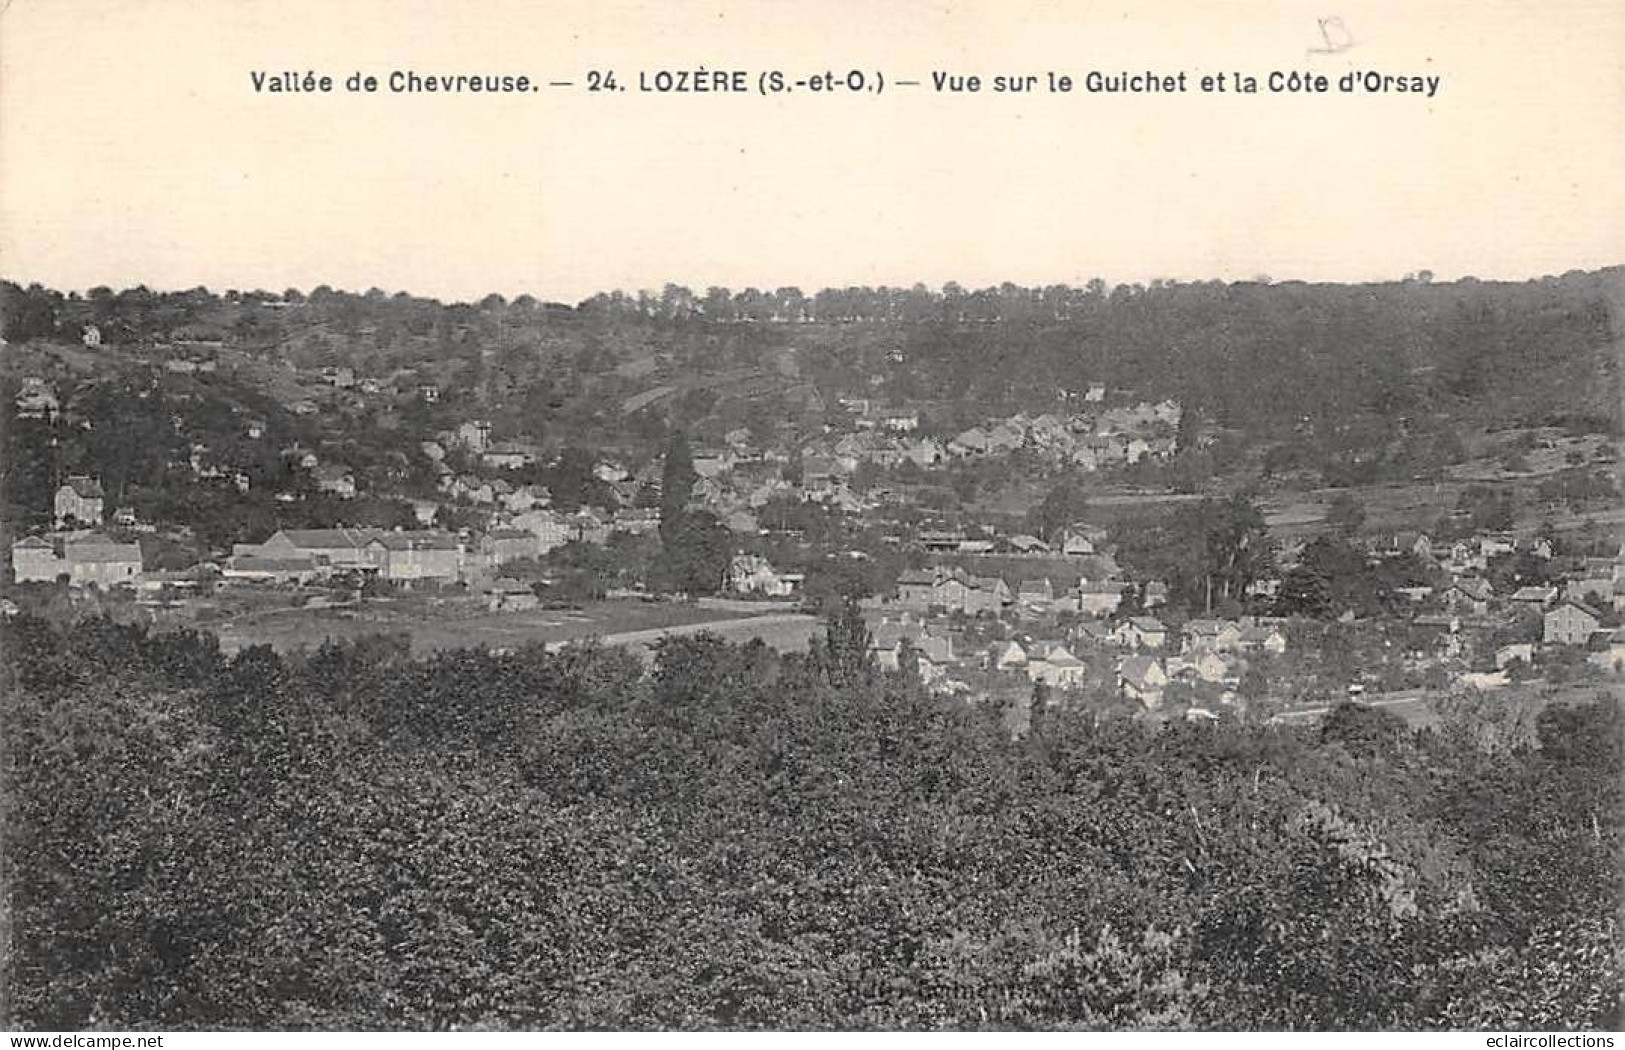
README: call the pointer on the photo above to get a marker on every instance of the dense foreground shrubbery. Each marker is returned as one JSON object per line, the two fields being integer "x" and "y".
{"x": 358, "y": 839}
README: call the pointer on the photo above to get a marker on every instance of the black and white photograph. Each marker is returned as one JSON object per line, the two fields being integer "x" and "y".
{"x": 811, "y": 517}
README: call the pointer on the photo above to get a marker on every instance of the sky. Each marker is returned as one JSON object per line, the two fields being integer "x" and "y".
{"x": 135, "y": 150}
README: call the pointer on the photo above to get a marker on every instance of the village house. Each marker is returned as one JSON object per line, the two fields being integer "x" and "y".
{"x": 1140, "y": 632}
{"x": 972, "y": 595}
{"x": 336, "y": 549}
{"x": 1203, "y": 665}
{"x": 1607, "y": 650}
{"x": 34, "y": 560}
{"x": 519, "y": 499}
{"x": 507, "y": 457}
{"x": 1099, "y": 597}
{"x": 340, "y": 376}
{"x": 254, "y": 568}
{"x": 1142, "y": 678}
{"x": 1079, "y": 542}
{"x": 1480, "y": 681}
{"x": 939, "y": 541}
{"x": 1569, "y": 623}
{"x": 474, "y": 435}
{"x": 955, "y": 590}
{"x": 896, "y": 420}
{"x": 1091, "y": 633}
{"x": 80, "y": 500}
{"x": 510, "y": 595}
{"x": 638, "y": 521}
{"x": 711, "y": 462}
{"x": 37, "y": 400}
{"x": 1009, "y": 655}
{"x": 1536, "y": 596}
{"x": 304, "y": 458}
{"x": 551, "y": 530}
{"x": 1037, "y": 595}
{"x": 417, "y": 557}
{"x": 1396, "y": 544}
{"x": 610, "y": 473}
{"x": 1056, "y": 667}
{"x": 1469, "y": 595}
{"x": 501, "y": 546}
{"x": 915, "y": 588}
{"x": 1590, "y": 590}
{"x": 924, "y": 452}
{"x": 335, "y": 479}
{"x": 95, "y": 561}
{"x": 587, "y": 526}
{"x": 752, "y": 574}
{"x": 1022, "y": 543}
{"x": 1261, "y": 638}
{"x": 933, "y": 652}
{"x": 1514, "y": 652}
{"x": 1220, "y": 636}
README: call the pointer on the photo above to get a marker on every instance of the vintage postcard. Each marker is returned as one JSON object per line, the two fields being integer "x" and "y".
{"x": 774, "y": 516}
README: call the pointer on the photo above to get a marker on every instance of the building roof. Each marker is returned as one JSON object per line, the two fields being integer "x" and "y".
{"x": 1138, "y": 668}
{"x": 1475, "y": 587}
{"x": 1059, "y": 656}
{"x": 259, "y": 563}
{"x": 100, "y": 550}
{"x": 1570, "y": 604}
{"x": 417, "y": 541}
{"x": 320, "y": 539}
{"x": 83, "y": 487}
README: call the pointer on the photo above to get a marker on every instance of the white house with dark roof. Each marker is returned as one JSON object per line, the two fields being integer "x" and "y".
{"x": 1569, "y": 623}
{"x": 34, "y": 560}
{"x": 80, "y": 499}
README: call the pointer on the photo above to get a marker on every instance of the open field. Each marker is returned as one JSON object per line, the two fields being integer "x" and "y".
{"x": 451, "y": 624}
{"x": 784, "y": 631}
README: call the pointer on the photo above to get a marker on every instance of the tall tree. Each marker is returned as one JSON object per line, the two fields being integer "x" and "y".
{"x": 677, "y": 478}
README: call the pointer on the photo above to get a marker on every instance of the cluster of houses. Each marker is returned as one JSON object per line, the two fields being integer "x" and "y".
{"x": 1139, "y": 655}
{"x": 1089, "y": 440}
{"x": 1577, "y": 607}
{"x": 399, "y": 556}
{"x": 888, "y": 438}
{"x": 36, "y": 399}
{"x": 84, "y": 558}
{"x": 1099, "y": 588}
